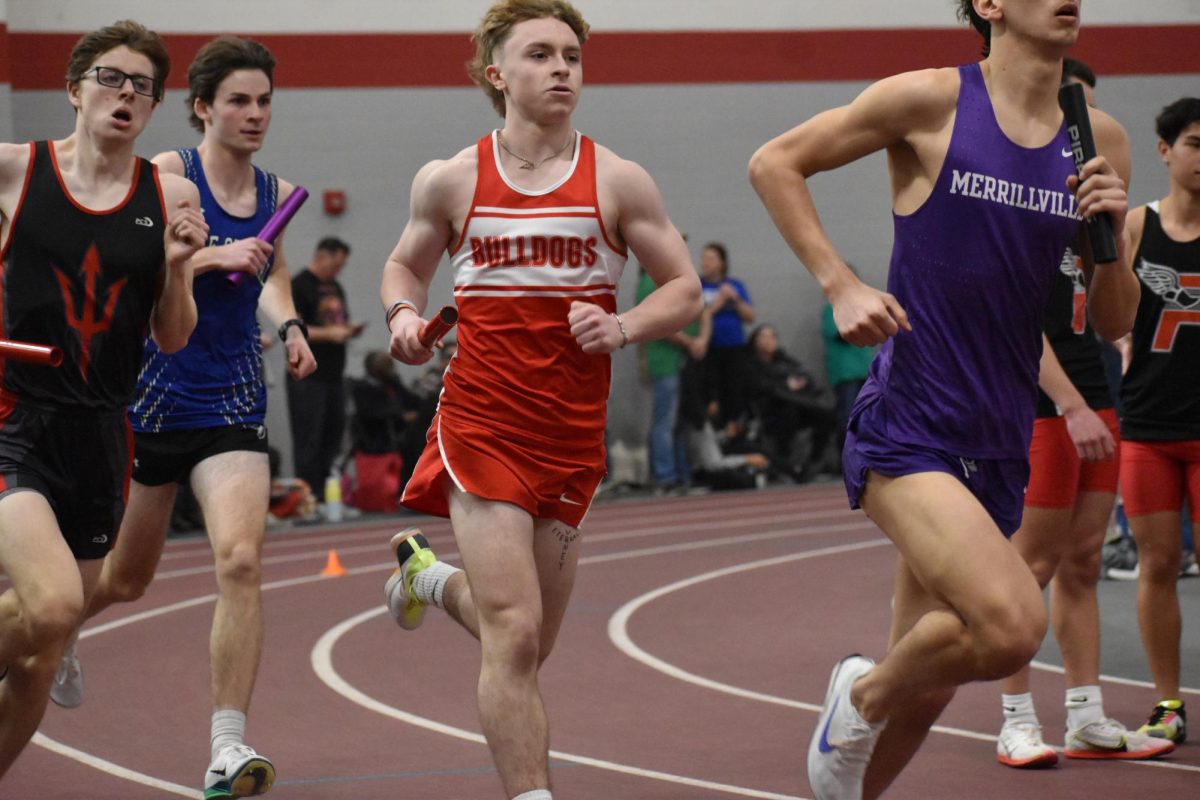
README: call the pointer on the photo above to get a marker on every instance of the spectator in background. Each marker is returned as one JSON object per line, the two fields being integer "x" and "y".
{"x": 663, "y": 360}
{"x": 317, "y": 406}
{"x": 720, "y": 460}
{"x": 846, "y": 368}
{"x": 788, "y": 399}
{"x": 729, "y": 303}
{"x": 384, "y": 409}
{"x": 427, "y": 388}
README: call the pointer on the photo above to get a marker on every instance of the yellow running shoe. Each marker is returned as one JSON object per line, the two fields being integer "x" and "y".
{"x": 1167, "y": 721}
{"x": 413, "y": 554}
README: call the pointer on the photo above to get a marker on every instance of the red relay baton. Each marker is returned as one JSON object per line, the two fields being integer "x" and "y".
{"x": 45, "y": 355}
{"x": 438, "y": 327}
{"x": 275, "y": 225}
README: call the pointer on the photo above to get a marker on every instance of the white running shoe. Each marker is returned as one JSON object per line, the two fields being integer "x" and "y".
{"x": 1020, "y": 745}
{"x": 67, "y": 689}
{"x": 842, "y": 744}
{"x": 238, "y": 771}
{"x": 1108, "y": 738}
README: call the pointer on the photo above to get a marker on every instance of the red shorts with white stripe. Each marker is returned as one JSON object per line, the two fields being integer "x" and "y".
{"x": 1056, "y": 472}
{"x": 1155, "y": 476}
{"x": 547, "y": 482}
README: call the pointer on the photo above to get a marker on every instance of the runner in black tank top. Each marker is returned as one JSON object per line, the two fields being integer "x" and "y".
{"x": 92, "y": 262}
{"x": 1160, "y": 398}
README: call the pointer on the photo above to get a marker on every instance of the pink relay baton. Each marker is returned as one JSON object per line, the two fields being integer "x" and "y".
{"x": 275, "y": 225}
{"x": 45, "y": 355}
{"x": 438, "y": 327}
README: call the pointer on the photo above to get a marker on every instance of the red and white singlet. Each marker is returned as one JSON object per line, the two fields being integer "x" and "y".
{"x": 523, "y": 258}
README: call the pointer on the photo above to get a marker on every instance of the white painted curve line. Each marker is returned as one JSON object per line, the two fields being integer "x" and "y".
{"x": 618, "y": 623}
{"x": 322, "y": 664}
{"x": 1108, "y": 678}
{"x": 618, "y": 634}
{"x": 119, "y": 771}
{"x": 114, "y": 769}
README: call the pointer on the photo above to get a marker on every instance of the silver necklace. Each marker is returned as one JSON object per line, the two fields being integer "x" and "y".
{"x": 525, "y": 162}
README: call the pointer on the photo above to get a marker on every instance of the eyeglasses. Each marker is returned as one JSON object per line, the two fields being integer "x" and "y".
{"x": 115, "y": 79}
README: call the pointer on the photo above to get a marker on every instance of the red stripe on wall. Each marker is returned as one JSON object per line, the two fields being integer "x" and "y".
{"x": 5, "y": 46}
{"x": 368, "y": 60}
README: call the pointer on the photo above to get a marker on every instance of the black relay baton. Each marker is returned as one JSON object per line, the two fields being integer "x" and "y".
{"x": 1083, "y": 149}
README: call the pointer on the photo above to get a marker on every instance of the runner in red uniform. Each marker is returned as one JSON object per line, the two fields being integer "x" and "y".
{"x": 1160, "y": 399}
{"x": 537, "y": 220}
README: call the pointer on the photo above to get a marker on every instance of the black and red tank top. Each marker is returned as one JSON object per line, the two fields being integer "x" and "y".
{"x": 83, "y": 280}
{"x": 1160, "y": 394}
{"x": 1075, "y": 345}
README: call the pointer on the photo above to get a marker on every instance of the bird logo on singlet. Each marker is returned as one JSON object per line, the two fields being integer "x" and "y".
{"x": 1181, "y": 301}
{"x": 83, "y": 320}
{"x": 1070, "y": 267}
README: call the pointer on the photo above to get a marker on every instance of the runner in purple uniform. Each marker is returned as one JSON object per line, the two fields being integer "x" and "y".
{"x": 985, "y": 201}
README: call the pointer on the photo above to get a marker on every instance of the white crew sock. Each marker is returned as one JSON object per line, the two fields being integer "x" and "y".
{"x": 1019, "y": 708}
{"x": 431, "y": 582}
{"x": 536, "y": 794}
{"x": 228, "y": 727}
{"x": 1084, "y": 705}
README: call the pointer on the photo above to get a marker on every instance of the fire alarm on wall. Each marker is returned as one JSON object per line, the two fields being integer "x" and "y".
{"x": 335, "y": 202}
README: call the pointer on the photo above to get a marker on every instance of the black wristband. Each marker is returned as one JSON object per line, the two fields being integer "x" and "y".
{"x": 299, "y": 323}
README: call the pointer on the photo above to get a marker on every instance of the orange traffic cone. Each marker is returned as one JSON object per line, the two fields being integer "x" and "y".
{"x": 333, "y": 566}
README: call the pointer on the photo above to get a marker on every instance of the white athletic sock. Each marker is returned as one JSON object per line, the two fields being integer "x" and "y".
{"x": 536, "y": 794}
{"x": 228, "y": 727}
{"x": 431, "y": 582}
{"x": 1084, "y": 705}
{"x": 1018, "y": 708}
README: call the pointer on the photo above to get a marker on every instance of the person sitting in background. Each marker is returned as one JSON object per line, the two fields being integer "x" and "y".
{"x": 788, "y": 399}
{"x": 426, "y": 390}
{"x": 714, "y": 457}
{"x": 383, "y": 411}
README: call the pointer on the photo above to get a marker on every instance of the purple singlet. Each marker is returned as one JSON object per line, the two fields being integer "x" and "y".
{"x": 973, "y": 267}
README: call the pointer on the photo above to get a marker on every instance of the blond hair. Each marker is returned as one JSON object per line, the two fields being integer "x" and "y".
{"x": 497, "y": 24}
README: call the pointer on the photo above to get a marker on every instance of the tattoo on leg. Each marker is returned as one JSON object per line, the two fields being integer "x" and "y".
{"x": 567, "y": 536}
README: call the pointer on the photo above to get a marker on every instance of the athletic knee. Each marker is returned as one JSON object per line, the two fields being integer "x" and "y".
{"x": 51, "y": 622}
{"x": 1159, "y": 568}
{"x": 124, "y": 588}
{"x": 514, "y": 636}
{"x": 1043, "y": 568}
{"x": 1009, "y": 640}
{"x": 1080, "y": 572}
{"x": 240, "y": 563}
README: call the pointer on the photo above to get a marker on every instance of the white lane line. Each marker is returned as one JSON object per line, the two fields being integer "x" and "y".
{"x": 148, "y": 780}
{"x": 322, "y": 664}
{"x": 114, "y": 769}
{"x": 597, "y": 537}
{"x": 618, "y": 634}
{"x": 1109, "y": 678}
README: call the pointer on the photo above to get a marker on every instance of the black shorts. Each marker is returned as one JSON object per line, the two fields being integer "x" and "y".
{"x": 79, "y": 461}
{"x": 169, "y": 456}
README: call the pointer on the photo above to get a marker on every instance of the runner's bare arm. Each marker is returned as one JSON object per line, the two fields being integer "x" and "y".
{"x": 174, "y": 315}
{"x": 277, "y": 304}
{"x": 415, "y": 259}
{"x": 1113, "y": 289}
{"x": 888, "y": 114}
{"x": 245, "y": 255}
{"x": 644, "y": 226}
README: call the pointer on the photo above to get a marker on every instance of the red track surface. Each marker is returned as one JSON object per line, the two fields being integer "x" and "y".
{"x": 348, "y": 705}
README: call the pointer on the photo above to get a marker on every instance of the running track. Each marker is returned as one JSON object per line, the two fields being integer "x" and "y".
{"x": 691, "y": 663}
